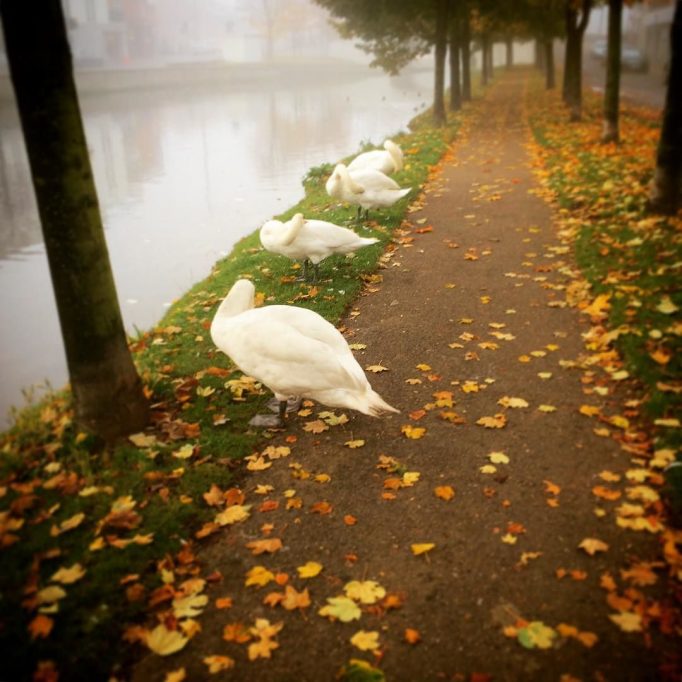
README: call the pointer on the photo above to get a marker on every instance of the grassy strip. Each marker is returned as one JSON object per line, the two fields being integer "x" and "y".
{"x": 631, "y": 258}
{"x": 125, "y": 514}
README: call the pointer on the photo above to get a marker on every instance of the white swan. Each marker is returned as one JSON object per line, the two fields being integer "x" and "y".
{"x": 389, "y": 160}
{"x": 368, "y": 188}
{"x": 310, "y": 240}
{"x": 294, "y": 352}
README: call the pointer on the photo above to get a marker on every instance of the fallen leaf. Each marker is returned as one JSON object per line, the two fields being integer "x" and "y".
{"x": 412, "y": 636}
{"x": 627, "y": 621}
{"x": 413, "y": 432}
{"x": 422, "y": 548}
{"x": 259, "y": 576}
{"x": 309, "y": 569}
{"x": 67, "y": 576}
{"x": 269, "y": 545}
{"x": 341, "y": 608}
{"x": 444, "y": 492}
{"x": 365, "y": 640}
{"x": 164, "y": 642}
{"x": 496, "y": 422}
{"x": 40, "y": 626}
{"x": 498, "y": 458}
{"x": 366, "y": 592}
{"x": 353, "y": 444}
{"x": 593, "y": 545}
{"x": 218, "y": 663}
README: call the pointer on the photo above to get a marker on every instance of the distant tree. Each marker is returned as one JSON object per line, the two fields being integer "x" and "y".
{"x": 545, "y": 21}
{"x": 455, "y": 56}
{"x": 106, "y": 388}
{"x": 664, "y": 194}
{"x": 465, "y": 46}
{"x": 577, "y": 15}
{"x": 395, "y": 33}
{"x": 612, "y": 89}
{"x": 442, "y": 8}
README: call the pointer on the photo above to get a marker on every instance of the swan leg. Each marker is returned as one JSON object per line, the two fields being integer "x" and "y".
{"x": 316, "y": 272}
{"x": 304, "y": 277}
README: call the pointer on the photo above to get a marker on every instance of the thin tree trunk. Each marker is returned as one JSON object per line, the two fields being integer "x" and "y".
{"x": 485, "y": 73}
{"x": 106, "y": 388}
{"x": 575, "y": 29}
{"x": 664, "y": 193}
{"x": 455, "y": 87}
{"x": 612, "y": 91}
{"x": 550, "y": 79}
{"x": 439, "y": 115}
{"x": 539, "y": 55}
{"x": 510, "y": 52}
{"x": 466, "y": 57}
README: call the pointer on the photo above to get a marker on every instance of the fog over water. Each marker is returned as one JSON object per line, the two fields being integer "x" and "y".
{"x": 182, "y": 174}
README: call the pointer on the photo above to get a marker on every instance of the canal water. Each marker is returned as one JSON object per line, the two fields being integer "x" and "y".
{"x": 182, "y": 175}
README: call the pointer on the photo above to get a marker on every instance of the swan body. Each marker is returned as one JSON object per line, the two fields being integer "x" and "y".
{"x": 367, "y": 187}
{"x": 293, "y": 351}
{"x": 312, "y": 240}
{"x": 387, "y": 160}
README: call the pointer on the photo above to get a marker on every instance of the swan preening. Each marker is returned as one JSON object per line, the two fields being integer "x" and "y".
{"x": 310, "y": 240}
{"x": 387, "y": 160}
{"x": 294, "y": 352}
{"x": 366, "y": 187}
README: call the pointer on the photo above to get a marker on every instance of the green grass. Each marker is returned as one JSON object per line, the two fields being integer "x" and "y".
{"x": 622, "y": 250}
{"x": 175, "y": 359}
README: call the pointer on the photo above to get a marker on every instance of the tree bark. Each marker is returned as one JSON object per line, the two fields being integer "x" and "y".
{"x": 664, "y": 193}
{"x": 466, "y": 57}
{"x": 576, "y": 17}
{"x": 485, "y": 64}
{"x": 439, "y": 115}
{"x": 548, "y": 50}
{"x": 455, "y": 87}
{"x": 106, "y": 388}
{"x": 539, "y": 54}
{"x": 612, "y": 90}
{"x": 510, "y": 52}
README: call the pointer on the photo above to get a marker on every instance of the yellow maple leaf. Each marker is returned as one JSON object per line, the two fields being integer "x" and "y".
{"x": 507, "y": 401}
{"x": 546, "y": 408}
{"x": 294, "y": 599}
{"x": 176, "y": 675}
{"x": 68, "y": 524}
{"x": 488, "y": 469}
{"x": 365, "y": 640}
{"x": 353, "y": 444}
{"x": 509, "y": 539}
{"x": 376, "y": 368}
{"x": 258, "y": 575}
{"x": 366, "y": 591}
{"x": 421, "y": 548}
{"x": 233, "y": 514}
{"x": 67, "y": 576}
{"x": 496, "y": 422}
{"x": 423, "y": 367}
{"x": 164, "y": 642}
{"x": 142, "y": 440}
{"x": 498, "y": 458}
{"x": 627, "y": 621}
{"x": 593, "y": 545}
{"x": 309, "y": 569}
{"x": 413, "y": 432}
{"x": 341, "y": 608}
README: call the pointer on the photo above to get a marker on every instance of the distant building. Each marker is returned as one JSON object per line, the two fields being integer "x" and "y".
{"x": 650, "y": 29}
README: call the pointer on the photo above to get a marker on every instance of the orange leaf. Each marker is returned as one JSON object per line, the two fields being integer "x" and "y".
{"x": 349, "y": 520}
{"x": 236, "y": 632}
{"x": 223, "y": 603}
{"x": 606, "y": 493}
{"x": 444, "y": 492}
{"x": 269, "y": 545}
{"x": 321, "y": 508}
{"x": 551, "y": 488}
{"x": 412, "y": 636}
{"x": 40, "y": 626}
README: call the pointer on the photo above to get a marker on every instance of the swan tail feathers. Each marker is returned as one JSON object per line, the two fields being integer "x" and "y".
{"x": 376, "y": 405}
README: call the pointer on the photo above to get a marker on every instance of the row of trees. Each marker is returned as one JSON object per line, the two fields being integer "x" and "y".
{"x": 395, "y": 33}
{"x": 108, "y": 394}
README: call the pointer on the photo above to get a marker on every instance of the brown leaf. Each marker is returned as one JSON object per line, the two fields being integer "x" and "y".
{"x": 269, "y": 545}
{"x": 41, "y": 626}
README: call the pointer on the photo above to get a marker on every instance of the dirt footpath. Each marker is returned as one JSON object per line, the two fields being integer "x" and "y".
{"x": 481, "y": 354}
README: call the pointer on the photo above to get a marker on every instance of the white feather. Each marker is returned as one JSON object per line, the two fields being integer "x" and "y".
{"x": 366, "y": 187}
{"x": 387, "y": 160}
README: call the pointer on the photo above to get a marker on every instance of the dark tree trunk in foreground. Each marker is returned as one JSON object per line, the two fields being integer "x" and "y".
{"x": 439, "y": 115}
{"x": 548, "y": 49}
{"x": 106, "y": 388}
{"x": 455, "y": 87}
{"x": 465, "y": 39}
{"x": 612, "y": 91}
{"x": 510, "y": 52}
{"x": 664, "y": 195}
{"x": 577, "y": 15}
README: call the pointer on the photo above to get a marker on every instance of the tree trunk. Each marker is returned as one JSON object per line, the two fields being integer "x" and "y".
{"x": 455, "y": 88}
{"x": 664, "y": 193}
{"x": 106, "y": 388}
{"x": 510, "y": 52}
{"x": 466, "y": 57}
{"x": 576, "y": 23}
{"x": 612, "y": 91}
{"x": 539, "y": 54}
{"x": 485, "y": 72}
{"x": 550, "y": 80}
{"x": 439, "y": 115}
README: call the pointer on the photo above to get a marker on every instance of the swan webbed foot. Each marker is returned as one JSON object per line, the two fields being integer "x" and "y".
{"x": 304, "y": 276}
{"x": 291, "y": 405}
{"x": 316, "y": 272}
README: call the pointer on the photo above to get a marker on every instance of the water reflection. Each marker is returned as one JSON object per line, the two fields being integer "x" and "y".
{"x": 181, "y": 176}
